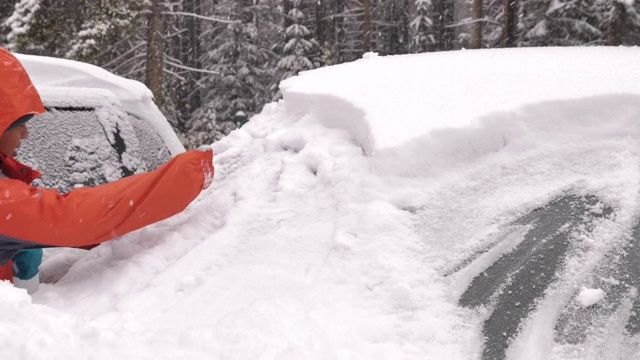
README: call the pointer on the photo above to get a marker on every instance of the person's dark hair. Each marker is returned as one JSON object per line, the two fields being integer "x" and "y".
{"x": 20, "y": 121}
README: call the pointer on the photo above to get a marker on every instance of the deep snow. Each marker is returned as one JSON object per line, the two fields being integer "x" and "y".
{"x": 338, "y": 215}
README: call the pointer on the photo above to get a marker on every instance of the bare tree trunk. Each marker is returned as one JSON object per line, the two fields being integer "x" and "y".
{"x": 509, "y": 33}
{"x": 188, "y": 94}
{"x": 337, "y": 33}
{"x": 322, "y": 22}
{"x": 155, "y": 51}
{"x": 395, "y": 33}
{"x": 476, "y": 24}
{"x": 366, "y": 26}
{"x": 616, "y": 29}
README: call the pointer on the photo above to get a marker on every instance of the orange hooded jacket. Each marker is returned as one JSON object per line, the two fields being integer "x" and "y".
{"x": 32, "y": 217}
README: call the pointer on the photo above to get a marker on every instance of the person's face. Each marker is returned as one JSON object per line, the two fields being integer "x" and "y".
{"x": 10, "y": 140}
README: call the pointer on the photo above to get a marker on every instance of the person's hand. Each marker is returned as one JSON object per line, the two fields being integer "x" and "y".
{"x": 207, "y": 165}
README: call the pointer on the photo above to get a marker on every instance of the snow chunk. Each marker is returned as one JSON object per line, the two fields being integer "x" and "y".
{"x": 588, "y": 297}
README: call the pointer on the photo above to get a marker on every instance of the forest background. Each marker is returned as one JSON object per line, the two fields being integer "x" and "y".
{"x": 206, "y": 60}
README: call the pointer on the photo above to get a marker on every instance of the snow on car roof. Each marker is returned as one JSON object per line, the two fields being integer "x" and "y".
{"x": 386, "y": 101}
{"x": 63, "y": 74}
{"x": 73, "y": 97}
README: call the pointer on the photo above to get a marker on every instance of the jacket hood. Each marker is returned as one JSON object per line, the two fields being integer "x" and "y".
{"x": 18, "y": 96}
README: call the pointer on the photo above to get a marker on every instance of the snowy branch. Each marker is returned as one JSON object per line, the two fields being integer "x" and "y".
{"x": 124, "y": 55}
{"x": 467, "y": 21}
{"x": 174, "y": 74}
{"x": 184, "y": 67}
{"x": 128, "y": 61}
{"x": 208, "y": 18}
{"x": 136, "y": 69}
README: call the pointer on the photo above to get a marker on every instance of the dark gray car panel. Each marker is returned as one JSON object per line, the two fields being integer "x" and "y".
{"x": 512, "y": 286}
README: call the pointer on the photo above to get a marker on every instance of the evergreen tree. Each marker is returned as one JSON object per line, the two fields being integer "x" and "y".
{"x": 331, "y": 31}
{"x": 392, "y": 27}
{"x": 6, "y": 9}
{"x": 620, "y": 20}
{"x": 239, "y": 79}
{"x": 567, "y": 23}
{"x": 299, "y": 47}
{"x": 353, "y": 30}
{"x": 442, "y": 29}
{"x": 43, "y": 27}
{"x": 534, "y": 22}
{"x": 422, "y": 38}
{"x": 105, "y": 29}
{"x": 183, "y": 58}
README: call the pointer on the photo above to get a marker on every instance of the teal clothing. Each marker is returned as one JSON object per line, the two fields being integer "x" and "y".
{"x": 26, "y": 263}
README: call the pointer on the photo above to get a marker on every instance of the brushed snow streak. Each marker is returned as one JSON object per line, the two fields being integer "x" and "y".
{"x": 512, "y": 286}
{"x": 619, "y": 277}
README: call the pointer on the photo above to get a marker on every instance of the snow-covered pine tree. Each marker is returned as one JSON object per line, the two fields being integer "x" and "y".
{"x": 299, "y": 47}
{"x": 268, "y": 19}
{"x": 580, "y": 22}
{"x": 110, "y": 34}
{"x": 331, "y": 31}
{"x": 482, "y": 23}
{"x": 107, "y": 31}
{"x": 35, "y": 27}
{"x": 323, "y": 32}
{"x": 564, "y": 23}
{"x": 620, "y": 21}
{"x": 6, "y": 9}
{"x": 238, "y": 80}
{"x": 422, "y": 38}
{"x": 183, "y": 58}
{"x": 86, "y": 30}
{"x": 442, "y": 28}
{"x": 391, "y": 27}
{"x": 349, "y": 18}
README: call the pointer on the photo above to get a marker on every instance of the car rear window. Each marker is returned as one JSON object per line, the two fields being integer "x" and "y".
{"x": 84, "y": 146}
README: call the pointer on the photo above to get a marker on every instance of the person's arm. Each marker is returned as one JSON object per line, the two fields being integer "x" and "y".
{"x": 89, "y": 215}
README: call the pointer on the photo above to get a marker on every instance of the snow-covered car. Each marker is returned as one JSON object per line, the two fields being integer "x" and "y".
{"x": 98, "y": 127}
{"x": 476, "y": 204}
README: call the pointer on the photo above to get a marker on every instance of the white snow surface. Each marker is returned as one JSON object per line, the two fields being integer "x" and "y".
{"x": 440, "y": 91}
{"x": 336, "y": 213}
{"x": 63, "y": 82}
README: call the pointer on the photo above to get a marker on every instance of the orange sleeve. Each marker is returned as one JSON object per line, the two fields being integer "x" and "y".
{"x": 90, "y": 215}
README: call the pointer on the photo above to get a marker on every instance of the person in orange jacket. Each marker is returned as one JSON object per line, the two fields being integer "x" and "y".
{"x": 34, "y": 218}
